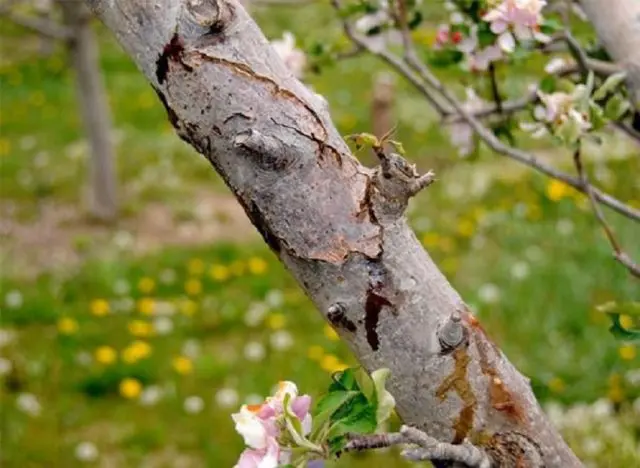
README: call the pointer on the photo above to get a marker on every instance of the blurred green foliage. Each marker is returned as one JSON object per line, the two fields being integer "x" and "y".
{"x": 208, "y": 327}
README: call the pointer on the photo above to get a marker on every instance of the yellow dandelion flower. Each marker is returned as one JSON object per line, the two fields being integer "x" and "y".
{"x": 67, "y": 326}
{"x": 5, "y": 147}
{"x": 99, "y": 307}
{"x": 237, "y": 268}
{"x": 106, "y": 355}
{"x": 140, "y": 328}
{"x": 616, "y": 394}
{"x": 556, "y": 385}
{"x": 479, "y": 213}
{"x": 257, "y": 266}
{"x": 195, "y": 267}
{"x": 130, "y": 388}
{"x": 146, "y": 306}
{"x": 136, "y": 351}
{"x": 557, "y": 190}
{"x": 37, "y": 99}
{"x": 276, "y": 321}
{"x": 466, "y": 228}
{"x": 331, "y": 363}
{"x": 534, "y": 212}
{"x": 146, "y": 285}
{"x": 315, "y": 352}
{"x": 330, "y": 333}
{"x": 430, "y": 239}
{"x": 446, "y": 244}
{"x": 193, "y": 287}
{"x": 627, "y": 352}
{"x": 182, "y": 365}
{"x": 187, "y": 307}
{"x": 626, "y": 321}
{"x": 219, "y": 272}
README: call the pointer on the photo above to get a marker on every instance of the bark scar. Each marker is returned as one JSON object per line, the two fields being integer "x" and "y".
{"x": 458, "y": 382}
{"x": 172, "y": 51}
{"x": 502, "y": 399}
{"x": 373, "y": 306}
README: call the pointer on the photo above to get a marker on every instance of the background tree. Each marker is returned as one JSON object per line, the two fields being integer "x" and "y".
{"x": 74, "y": 28}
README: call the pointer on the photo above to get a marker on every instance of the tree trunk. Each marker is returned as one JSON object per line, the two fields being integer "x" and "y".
{"x": 102, "y": 197}
{"x": 617, "y": 23}
{"x": 336, "y": 225}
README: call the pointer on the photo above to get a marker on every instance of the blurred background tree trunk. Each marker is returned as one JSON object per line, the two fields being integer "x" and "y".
{"x": 94, "y": 109}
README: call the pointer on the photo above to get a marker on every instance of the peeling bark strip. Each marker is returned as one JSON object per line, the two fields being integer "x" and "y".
{"x": 229, "y": 95}
{"x": 458, "y": 381}
{"x": 501, "y": 398}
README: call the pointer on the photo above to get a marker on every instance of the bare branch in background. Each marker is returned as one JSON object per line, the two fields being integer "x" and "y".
{"x": 619, "y": 254}
{"x": 434, "y": 91}
{"x": 39, "y": 25}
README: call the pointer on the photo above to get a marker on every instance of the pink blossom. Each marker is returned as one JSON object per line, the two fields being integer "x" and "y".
{"x": 516, "y": 19}
{"x": 268, "y": 457}
{"x": 294, "y": 58}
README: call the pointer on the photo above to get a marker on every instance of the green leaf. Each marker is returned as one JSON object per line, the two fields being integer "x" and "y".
{"x": 344, "y": 380}
{"x": 385, "y": 402}
{"x": 610, "y": 85}
{"x": 359, "y": 417}
{"x": 615, "y": 311}
{"x": 445, "y": 57}
{"x": 621, "y": 333}
{"x": 616, "y": 107}
{"x": 398, "y": 146}
{"x": 550, "y": 26}
{"x": 329, "y": 404}
{"x": 548, "y": 84}
{"x": 596, "y": 116}
{"x": 485, "y": 36}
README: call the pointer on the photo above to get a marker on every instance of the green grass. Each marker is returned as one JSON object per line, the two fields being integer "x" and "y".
{"x": 532, "y": 265}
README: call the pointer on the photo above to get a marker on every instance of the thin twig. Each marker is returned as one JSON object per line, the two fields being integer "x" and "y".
{"x": 578, "y": 53}
{"x": 422, "y": 447}
{"x": 41, "y": 26}
{"x": 426, "y": 83}
{"x": 619, "y": 254}
{"x": 494, "y": 88}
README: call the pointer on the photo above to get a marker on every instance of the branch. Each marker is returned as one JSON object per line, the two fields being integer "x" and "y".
{"x": 426, "y": 82}
{"x": 337, "y": 226}
{"x": 428, "y": 448}
{"x": 39, "y": 25}
{"x": 619, "y": 254}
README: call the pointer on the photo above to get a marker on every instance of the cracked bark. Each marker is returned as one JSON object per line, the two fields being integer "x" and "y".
{"x": 336, "y": 225}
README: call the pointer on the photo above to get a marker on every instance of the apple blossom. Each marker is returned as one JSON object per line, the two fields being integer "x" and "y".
{"x": 516, "y": 19}
{"x": 268, "y": 428}
{"x": 293, "y": 58}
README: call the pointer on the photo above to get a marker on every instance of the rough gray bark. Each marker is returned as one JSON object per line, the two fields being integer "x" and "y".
{"x": 336, "y": 225}
{"x": 94, "y": 110}
{"x": 617, "y": 23}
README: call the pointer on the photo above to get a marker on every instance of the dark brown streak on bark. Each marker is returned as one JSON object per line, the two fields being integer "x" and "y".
{"x": 172, "y": 51}
{"x": 173, "y": 117}
{"x": 260, "y": 223}
{"x": 458, "y": 382}
{"x": 366, "y": 205}
{"x": 501, "y": 398}
{"x": 373, "y": 306}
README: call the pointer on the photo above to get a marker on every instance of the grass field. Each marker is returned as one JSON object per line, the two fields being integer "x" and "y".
{"x": 126, "y": 357}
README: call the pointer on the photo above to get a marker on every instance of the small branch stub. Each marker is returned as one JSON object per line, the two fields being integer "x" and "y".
{"x": 452, "y": 334}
